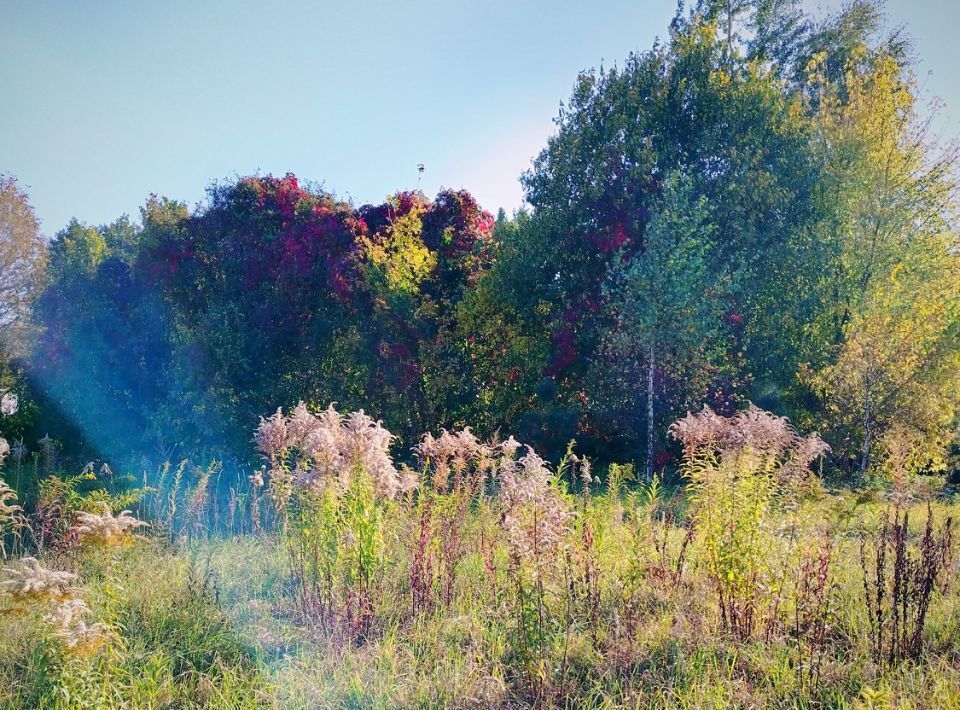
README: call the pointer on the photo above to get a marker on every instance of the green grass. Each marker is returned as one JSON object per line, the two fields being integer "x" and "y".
{"x": 212, "y": 623}
{"x": 172, "y": 645}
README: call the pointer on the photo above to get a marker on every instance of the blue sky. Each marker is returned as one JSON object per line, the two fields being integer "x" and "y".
{"x": 106, "y": 102}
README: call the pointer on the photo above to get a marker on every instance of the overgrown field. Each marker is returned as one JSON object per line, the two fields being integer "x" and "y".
{"x": 756, "y": 218}
{"x": 485, "y": 578}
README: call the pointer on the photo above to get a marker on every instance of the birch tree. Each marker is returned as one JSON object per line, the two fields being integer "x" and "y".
{"x": 666, "y": 307}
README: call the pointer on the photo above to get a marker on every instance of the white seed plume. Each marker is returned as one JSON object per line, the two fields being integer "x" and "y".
{"x": 32, "y": 581}
{"x": 309, "y": 450}
{"x": 68, "y": 612}
{"x": 71, "y": 628}
{"x": 9, "y": 404}
{"x": 536, "y": 518}
{"x": 105, "y": 528}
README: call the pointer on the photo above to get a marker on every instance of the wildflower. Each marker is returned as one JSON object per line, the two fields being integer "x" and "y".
{"x": 18, "y": 450}
{"x": 105, "y": 528}
{"x": 11, "y": 515}
{"x": 699, "y": 432}
{"x": 585, "y": 471}
{"x": 766, "y": 438}
{"x": 409, "y": 480}
{"x": 368, "y": 448}
{"x": 312, "y": 450}
{"x": 807, "y": 450}
{"x": 510, "y": 447}
{"x": 33, "y": 582}
{"x": 324, "y": 443}
{"x": 737, "y": 467}
{"x": 299, "y": 424}
{"x": 67, "y": 612}
{"x": 271, "y": 435}
{"x": 281, "y": 486}
{"x": 451, "y": 455}
{"x": 256, "y": 479}
{"x": 4, "y": 449}
{"x": 8, "y": 498}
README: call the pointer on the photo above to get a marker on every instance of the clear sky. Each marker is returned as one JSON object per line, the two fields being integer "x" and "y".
{"x": 104, "y": 102}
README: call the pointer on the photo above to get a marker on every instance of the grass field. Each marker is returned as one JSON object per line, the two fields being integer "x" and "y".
{"x": 217, "y": 622}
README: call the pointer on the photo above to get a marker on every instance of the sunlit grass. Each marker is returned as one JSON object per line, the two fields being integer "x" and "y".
{"x": 493, "y": 580}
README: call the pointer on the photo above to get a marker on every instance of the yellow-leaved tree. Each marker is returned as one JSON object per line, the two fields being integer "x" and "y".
{"x": 896, "y": 321}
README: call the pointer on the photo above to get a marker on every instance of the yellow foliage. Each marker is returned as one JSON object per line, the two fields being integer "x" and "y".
{"x": 397, "y": 257}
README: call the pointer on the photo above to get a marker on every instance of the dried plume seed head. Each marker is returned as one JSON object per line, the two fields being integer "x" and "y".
{"x": 105, "y": 528}
{"x": 753, "y": 431}
{"x": 9, "y": 404}
{"x": 271, "y": 435}
{"x": 31, "y": 581}
{"x": 314, "y": 450}
{"x": 452, "y": 454}
{"x": 72, "y": 630}
{"x": 535, "y": 516}
{"x": 8, "y": 502}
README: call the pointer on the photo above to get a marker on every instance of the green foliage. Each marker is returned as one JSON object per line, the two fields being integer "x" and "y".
{"x": 172, "y": 646}
{"x": 22, "y": 265}
{"x": 337, "y": 551}
{"x": 892, "y": 355}
{"x": 76, "y": 251}
{"x": 666, "y": 313}
{"x": 60, "y": 498}
{"x": 722, "y": 218}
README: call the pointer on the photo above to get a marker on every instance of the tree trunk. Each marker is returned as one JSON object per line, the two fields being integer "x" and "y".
{"x": 651, "y": 362}
{"x": 729, "y": 56}
{"x": 867, "y": 433}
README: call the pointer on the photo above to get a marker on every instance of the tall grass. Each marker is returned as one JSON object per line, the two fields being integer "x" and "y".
{"x": 489, "y": 578}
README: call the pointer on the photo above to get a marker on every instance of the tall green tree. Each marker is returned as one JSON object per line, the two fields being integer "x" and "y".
{"x": 77, "y": 250}
{"x": 899, "y": 362}
{"x": 666, "y": 306}
{"x": 700, "y": 106}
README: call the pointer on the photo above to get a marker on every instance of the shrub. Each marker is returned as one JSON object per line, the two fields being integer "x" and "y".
{"x": 737, "y": 467}
{"x": 331, "y": 478}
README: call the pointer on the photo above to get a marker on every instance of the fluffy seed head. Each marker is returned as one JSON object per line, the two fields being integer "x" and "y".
{"x": 9, "y": 404}
{"x": 30, "y": 581}
{"x": 309, "y": 450}
{"x": 105, "y": 528}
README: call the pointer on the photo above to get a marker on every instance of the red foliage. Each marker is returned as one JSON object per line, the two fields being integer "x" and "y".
{"x": 610, "y": 239}
{"x": 461, "y": 234}
{"x": 564, "y": 349}
{"x": 266, "y": 232}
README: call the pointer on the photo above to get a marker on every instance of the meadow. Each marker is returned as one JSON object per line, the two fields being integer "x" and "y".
{"x": 485, "y": 578}
{"x": 683, "y": 430}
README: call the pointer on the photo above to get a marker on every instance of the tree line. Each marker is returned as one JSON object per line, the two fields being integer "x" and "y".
{"x": 757, "y": 209}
